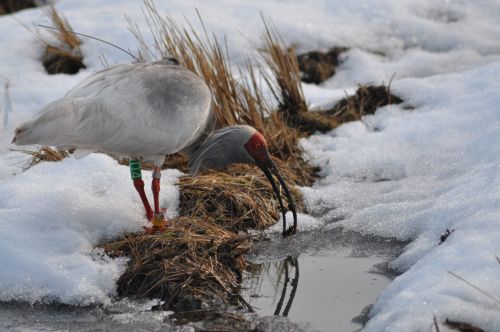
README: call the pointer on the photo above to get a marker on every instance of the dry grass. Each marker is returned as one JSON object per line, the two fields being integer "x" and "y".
{"x": 316, "y": 66}
{"x": 462, "y": 326}
{"x": 285, "y": 81}
{"x": 285, "y": 85}
{"x": 235, "y": 102}
{"x": 65, "y": 56}
{"x": 44, "y": 154}
{"x": 11, "y": 6}
{"x": 238, "y": 199}
{"x": 365, "y": 101}
{"x": 195, "y": 261}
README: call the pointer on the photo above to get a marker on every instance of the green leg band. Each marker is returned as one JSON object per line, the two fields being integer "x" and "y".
{"x": 135, "y": 169}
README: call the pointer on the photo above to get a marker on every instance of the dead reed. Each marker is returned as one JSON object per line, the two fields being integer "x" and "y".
{"x": 285, "y": 80}
{"x": 194, "y": 262}
{"x": 316, "y": 67}
{"x": 285, "y": 84}
{"x": 238, "y": 199}
{"x": 64, "y": 56}
{"x": 234, "y": 101}
{"x": 45, "y": 153}
{"x": 365, "y": 101}
{"x": 11, "y": 6}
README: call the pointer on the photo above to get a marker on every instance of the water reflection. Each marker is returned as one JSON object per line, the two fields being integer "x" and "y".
{"x": 339, "y": 275}
{"x": 293, "y": 263}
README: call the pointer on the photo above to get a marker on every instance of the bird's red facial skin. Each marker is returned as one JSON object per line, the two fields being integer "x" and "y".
{"x": 257, "y": 147}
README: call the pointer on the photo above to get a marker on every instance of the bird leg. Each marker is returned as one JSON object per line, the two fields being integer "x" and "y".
{"x": 158, "y": 221}
{"x": 136, "y": 174}
{"x": 155, "y": 187}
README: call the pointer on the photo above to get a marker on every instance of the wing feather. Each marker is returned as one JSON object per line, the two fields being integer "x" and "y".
{"x": 134, "y": 109}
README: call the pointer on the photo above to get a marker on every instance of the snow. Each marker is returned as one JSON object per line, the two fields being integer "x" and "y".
{"x": 413, "y": 175}
{"x": 54, "y": 214}
{"x": 404, "y": 173}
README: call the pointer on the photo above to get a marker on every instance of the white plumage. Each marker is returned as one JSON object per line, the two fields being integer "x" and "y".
{"x": 135, "y": 110}
{"x": 146, "y": 111}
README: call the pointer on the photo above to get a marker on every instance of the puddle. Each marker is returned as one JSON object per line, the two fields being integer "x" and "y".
{"x": 320, "y": 280}
{"x": 328, "y": 281}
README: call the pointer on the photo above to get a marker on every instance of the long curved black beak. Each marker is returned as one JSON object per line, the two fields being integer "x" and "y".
{"x": 269, "y": 168}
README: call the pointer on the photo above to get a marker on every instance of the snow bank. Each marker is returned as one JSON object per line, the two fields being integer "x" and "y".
{"x": 412, "y": 175}
{"x": 51, "y": 218}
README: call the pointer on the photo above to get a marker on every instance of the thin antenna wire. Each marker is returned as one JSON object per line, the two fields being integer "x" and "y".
{"x": 91, "y": 37}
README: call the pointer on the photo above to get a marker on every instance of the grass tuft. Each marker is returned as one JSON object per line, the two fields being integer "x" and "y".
{"x": 461, "y": 326}
{"x": 194, "y": 262}
{"x": 285, "y": 81}
{"x": 44, "y": 154}
{"x": 365, "y": 101}
{"x": 285, "y": 84}
{"x": 11, "y": 6}
{"x": 64, "y": 56}
{"x": 316, "y": 66}
{"x": 238, "y": 199}
{"x": 234, "y": 101}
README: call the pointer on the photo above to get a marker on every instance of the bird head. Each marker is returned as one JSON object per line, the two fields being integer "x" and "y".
{"x": 243, "y": 144}
{"x": 256, "y": 147}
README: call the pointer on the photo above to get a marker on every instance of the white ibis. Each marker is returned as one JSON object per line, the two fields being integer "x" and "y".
{"x": 145, "y": 111}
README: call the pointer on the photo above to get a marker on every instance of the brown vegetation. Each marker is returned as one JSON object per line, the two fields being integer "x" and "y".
{"x": 461, "y": 326}
{"x": 317, "y": 66}
{"x": 11, "y": 6}
{"x": 65, "y": 56}
{"x": 194, "y": 262}
{"x": 234, "y": 101}
{"x": 45, "y": 153}
{"x": 285, "y": 85}
{"x": 365, "y": 101}
{"x": 238, "y": 199}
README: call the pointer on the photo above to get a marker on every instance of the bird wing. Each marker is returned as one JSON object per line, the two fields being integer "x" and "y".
{"x": 135, "y": 109}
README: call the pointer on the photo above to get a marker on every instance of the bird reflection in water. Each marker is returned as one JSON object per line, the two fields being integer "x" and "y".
{"x": 292, "y": 263}
{"x": 279, "y": 286}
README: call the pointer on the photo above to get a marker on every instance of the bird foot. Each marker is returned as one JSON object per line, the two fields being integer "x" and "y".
{"x": 155, "y": 229}
{"x": 159, "y": 223}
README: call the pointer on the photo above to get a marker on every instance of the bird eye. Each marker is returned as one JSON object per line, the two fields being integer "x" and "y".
{"x": 257, "y": 146}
